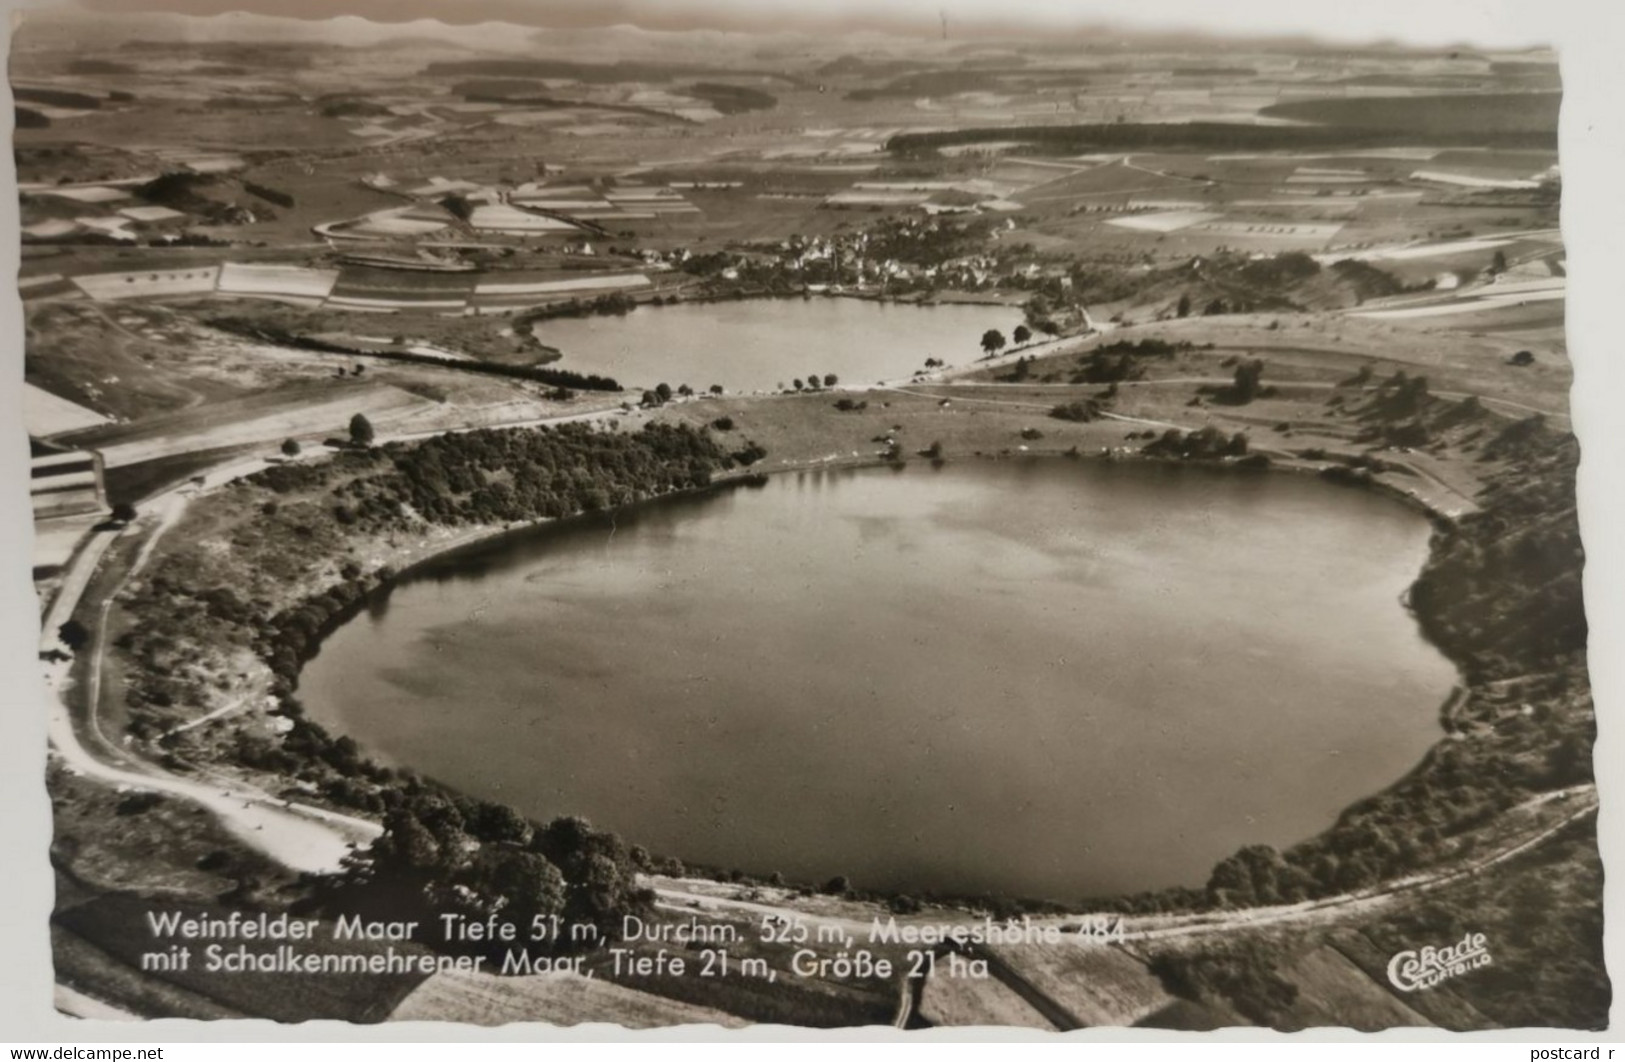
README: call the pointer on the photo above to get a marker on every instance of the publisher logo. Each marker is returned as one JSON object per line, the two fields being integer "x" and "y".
{"x": 1412, "y": 971}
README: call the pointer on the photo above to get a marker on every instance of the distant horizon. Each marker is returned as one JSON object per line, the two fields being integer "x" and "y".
{"x": 1380, "y": 24}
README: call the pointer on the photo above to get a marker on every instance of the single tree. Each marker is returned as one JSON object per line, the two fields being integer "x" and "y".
{"x": 290, "y": 447}
{"x": 664, "y": 391}
{"x": 1021, "y": 334}
{"x": 716, "y": 389}
{"x": 797, "y": 384}
{"x": 361, "y": 433}
{"x": 1184, "y": 308}
{"x": 74, "y": 635}
{"x": 992, "y": 341}
{"x": 830, "y": 379}
{"x": 685, "y": 390}
{"x": 1248, "y": 374}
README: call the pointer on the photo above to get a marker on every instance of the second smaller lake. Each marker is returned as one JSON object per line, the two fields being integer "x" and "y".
{"x": 763, "y": 344}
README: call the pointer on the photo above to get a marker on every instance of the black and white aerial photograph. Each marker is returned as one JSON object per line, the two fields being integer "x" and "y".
{"x": 924, "y": 515}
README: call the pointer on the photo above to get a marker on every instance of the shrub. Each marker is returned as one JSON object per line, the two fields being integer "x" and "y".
{"x": 361, "y": 430}
{"x": 1079, "y": 411}
{"x": 74, "y": 635}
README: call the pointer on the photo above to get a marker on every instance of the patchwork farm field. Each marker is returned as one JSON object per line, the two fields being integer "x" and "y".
{"x": 1096, "y": 985}
{"x": 559, "y": 999}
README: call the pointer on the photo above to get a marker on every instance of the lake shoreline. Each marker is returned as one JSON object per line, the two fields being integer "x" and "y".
{"x": 494, "y": 538}
{"x": 693, "y": 340}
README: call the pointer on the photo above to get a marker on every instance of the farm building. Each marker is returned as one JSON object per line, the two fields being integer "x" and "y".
{"x": 64, "y": 482}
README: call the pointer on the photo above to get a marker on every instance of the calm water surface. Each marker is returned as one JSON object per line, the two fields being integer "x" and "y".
{"x": 761, "y": 344}
{"x": 1045, "y": 678}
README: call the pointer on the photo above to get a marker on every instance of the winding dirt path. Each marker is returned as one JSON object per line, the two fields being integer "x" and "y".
{"x": 299, "y": 836}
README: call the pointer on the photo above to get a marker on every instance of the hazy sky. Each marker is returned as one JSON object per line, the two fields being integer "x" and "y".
{"x": 1426, "y": 22}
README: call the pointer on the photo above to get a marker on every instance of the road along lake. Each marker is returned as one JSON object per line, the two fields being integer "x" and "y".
{"x": 1040, "y": 678}
{"x": 761, "y": 344}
